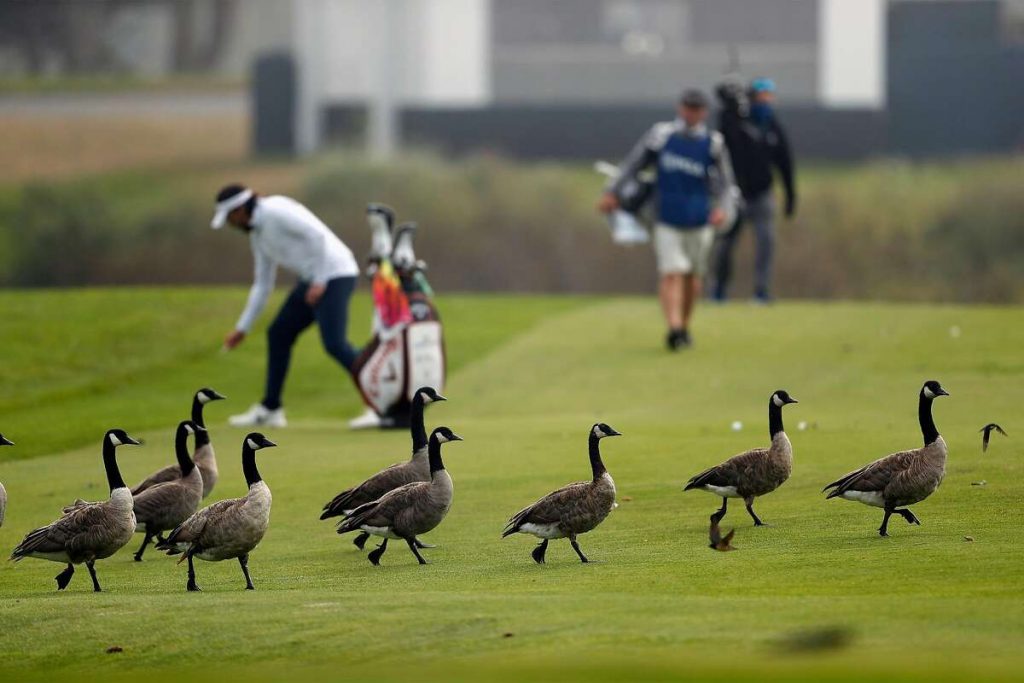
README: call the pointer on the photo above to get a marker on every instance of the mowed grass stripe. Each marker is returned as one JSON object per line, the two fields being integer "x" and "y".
{"x": 656, "y": 597}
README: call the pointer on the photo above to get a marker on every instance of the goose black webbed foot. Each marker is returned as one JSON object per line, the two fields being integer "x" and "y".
{"x": 539, "y": 551}
{"x": 375, "y": 555}
{"x": 64, "y": 578}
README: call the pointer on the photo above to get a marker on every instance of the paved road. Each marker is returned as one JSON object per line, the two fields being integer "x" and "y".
{"x": 99, "y": 104}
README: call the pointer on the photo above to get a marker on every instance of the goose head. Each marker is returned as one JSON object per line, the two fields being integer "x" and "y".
{"x": 601, "y": 430}
{"x": 782, "y": 397}
{"x": 256, "y": 441}
{"x": 444, "y": 435}
{"x": 932, "y": 389}
{"x": 118, "y": 437}
{"x": 206, "y": 394}
{"x": 429, "y": 395}
{"x": 4, "y": 441}
{"x": 191, "y": 427}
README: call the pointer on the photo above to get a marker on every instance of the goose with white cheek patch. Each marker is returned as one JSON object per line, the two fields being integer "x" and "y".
{"x": 203, "y": 456}
{"x": 229, "y": 529}
{"x": 3, "y": 491}
{"x": 87, "y": 531}
{"x": 753, "y": 473}
{"x": 416, "y": 468}
{"x": 573, "y": 509}
{"x": 410, "y": 510}
{"x": 901, "y": 479}
{"x": 164, "y": 506}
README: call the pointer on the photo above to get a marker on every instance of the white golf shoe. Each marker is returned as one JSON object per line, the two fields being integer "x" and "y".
{"x": 368, "y": 420}
{"x": 259, "y": 416}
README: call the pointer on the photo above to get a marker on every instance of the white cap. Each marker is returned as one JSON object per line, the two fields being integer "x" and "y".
{"x": 227, "y": 205}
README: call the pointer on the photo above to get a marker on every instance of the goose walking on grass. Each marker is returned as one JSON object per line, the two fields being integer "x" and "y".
{"x": 756, "y": 472}
{"x": 3, "y": 491}
{"x": 573, "y": 509}
{"x": 229, "y": 529}
{"x": 203, "y": 456}
{"x": 901, "y": 479}
{"x": 164, "y": 506}
{"x": 87, "y": 531}
{"x": 410, "y": 510}
{"x": 415, "y": 469}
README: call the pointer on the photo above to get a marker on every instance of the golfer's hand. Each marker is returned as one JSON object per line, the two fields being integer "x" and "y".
{"x": 717, "y": 217}
{"x": 608, "y": 203}
{"x": 233, "y": 339}
{"x": 315, "y": 293}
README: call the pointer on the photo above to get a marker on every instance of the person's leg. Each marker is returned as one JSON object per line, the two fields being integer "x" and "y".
{"x": 295, "y": 316}
{"x": 332, "y": 317}
{"x": 726, "y": 243}
{"x": 670, "y": 292}
{"x": 672, "y": 263}
{"x": 691, "y": 292}
{"x": 764, "y": 225}
{"x": 697, "y": 249}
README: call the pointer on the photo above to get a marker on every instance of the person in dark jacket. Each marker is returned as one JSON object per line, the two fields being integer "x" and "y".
{"x": 757, "y": 143}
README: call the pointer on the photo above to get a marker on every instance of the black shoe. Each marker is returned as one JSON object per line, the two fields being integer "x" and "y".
{"x": 673, "y": 340}
{"x": 684, "y": 338}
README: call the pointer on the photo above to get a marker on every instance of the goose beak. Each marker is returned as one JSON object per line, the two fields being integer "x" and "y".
{"x": 942, "y": 392}
{"x": 267, "y": 443}
{"x": 456, "y": 437}
{"x": 132, "y": 441}
{"x": 439, "y": 397}
{"x": 792, "y": 400}
{"x": 4, "y": 441}
{"x": 216, "y": 396}
{"x": 614, "y": 433}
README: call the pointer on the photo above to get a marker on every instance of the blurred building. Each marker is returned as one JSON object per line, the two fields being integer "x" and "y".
{"x": 583, "y": 78}
{"x": 557, "y": 78}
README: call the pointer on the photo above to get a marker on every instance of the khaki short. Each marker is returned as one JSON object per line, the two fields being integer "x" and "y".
{"x": 683, "y": 251}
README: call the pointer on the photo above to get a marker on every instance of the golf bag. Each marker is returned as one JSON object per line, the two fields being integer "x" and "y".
{"x": 629, "y": 223}
{"x": 407, "y": 349}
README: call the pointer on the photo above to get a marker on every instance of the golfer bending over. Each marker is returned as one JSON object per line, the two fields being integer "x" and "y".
{"x": 693, "y": 189}
{"x": 284, "y": 232}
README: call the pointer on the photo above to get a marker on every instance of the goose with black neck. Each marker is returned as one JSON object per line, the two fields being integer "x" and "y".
{"x": 753, "y": 473}
{"x": 410, "y": 510}
{"x": 417, "y": 468}
{"x": 573, "y": 509}
{"x": 88, "y": 532}
{"x": 203, "y": 455}
{"x": 228, "y": 529}
{"x": 164, "y": 506}
{"x": 901, "y": 479}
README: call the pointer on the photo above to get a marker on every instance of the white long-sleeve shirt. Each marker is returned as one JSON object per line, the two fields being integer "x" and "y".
{"x": 286, "y": 233}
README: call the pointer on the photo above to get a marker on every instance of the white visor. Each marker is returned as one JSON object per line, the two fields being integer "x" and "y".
{"x": 220, "y": 216}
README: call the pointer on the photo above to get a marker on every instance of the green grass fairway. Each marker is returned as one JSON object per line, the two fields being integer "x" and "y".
{"x": 529, "y": 377}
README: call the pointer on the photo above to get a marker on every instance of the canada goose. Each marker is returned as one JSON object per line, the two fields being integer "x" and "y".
{"x": 719, "y": 542}
{"x": 987, "y": 432}
{"x": 3, "y": 491}
{"x": 88, "y": 531}
{"x": 903, "y": 478}
{"x": 756, "y": 472}
{"x": 203, "y": 456}
{"x": 573, "y": 509}
{"x": 415, "y": 469}
{"x": 230, "y": 528}
{"x": 409, "y": 510}
{"x": 164, "y": 506}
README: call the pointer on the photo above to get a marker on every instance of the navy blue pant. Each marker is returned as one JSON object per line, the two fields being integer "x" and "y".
{"x": 330, "y": 313}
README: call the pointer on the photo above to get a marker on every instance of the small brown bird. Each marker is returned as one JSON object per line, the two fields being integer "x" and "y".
{"x": 986, "y": 432}
{"x": 718, "y": 542}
